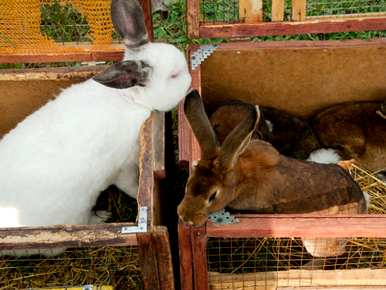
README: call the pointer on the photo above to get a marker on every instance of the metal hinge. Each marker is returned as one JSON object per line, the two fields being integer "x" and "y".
{"x": 141, "y": 227}
{"x": 201, "y": 54}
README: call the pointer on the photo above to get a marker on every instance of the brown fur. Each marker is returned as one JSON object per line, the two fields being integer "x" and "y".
{"x": 291, "y": 135}
{"x": 356, "y": 130}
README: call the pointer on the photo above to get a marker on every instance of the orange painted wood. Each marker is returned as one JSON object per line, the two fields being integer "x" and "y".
{"x": 199, "y": 240}
{"x": 299, "y": 10}
{"x": 291, "y": 28}
{"x": 278, "y": 7}
{"x": 280, "y": 226}
{"x": 147, "y": 11}
{"x": 251, "y": 11}
{"x": 186, "y": 259}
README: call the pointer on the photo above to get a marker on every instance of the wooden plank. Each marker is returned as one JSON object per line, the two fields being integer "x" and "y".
{"x": 299, "y": 10}
{"x": 352, "y": 287}
{"x": 164, "y": 258}
{"x": 291, "y": 28}
{"x": 65, "y": 236}
{"x": 278, "y": 7}
{"x": 200, "y": 268}
{"x": 193, "y": 17}
{"x": 346, "y": 16}
{"x": 251, "y": 11}
{"x": 297, "y": 279}
{"x": 147, "y": 11}
{"x": 113, "y": 53}
{"x": 148, "y": 262}
{"x": 186, "y": 258}
{"x": 280, "y": 226}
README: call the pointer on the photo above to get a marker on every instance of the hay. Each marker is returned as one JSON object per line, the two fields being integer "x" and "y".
{"x": 235, "y": 256}
{"x": 114, "y": 266}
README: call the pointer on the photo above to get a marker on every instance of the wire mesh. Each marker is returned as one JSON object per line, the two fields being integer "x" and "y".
{"x": 256, "y": 263}
{"x": 112, "y": 266}
{"x": 219, "y": 11}
{"x": 344, "y": 7}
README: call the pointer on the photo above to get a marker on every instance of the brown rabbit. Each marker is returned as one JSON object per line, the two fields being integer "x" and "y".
{"x": 290, "y": 135}
{"x": 355, "y": 130}
{"x": 252, "y": 175}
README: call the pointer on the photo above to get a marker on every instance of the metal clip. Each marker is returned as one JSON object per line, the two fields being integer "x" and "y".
{"x": 142, "y": 223}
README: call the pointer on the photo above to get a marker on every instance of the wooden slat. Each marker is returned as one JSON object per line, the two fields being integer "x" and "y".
{"x": 291, "y": 28}
{"x": 164, "y": 258}
{"x": 199, "y": 240}
{"x": 297, "y": 278}
{"x": 65, "y": 236}
{"x": 278, "y": 7}
{"x": 193, "y": 18}
{"x": 299, "y": 10}
{"x": 147, "y": 11}
{"x": 186, "y": 259}
{"x": 280, "y": 226}
{"x": 251, "y": 11}
{"x": 148, "y": 262}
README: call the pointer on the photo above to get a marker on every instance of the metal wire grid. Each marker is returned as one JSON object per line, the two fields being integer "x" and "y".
{"x": 219, "y": 11}
{"x": 236, "y": 256}
{"x": 344, "y": 7}
{"x": 112, "y": 266}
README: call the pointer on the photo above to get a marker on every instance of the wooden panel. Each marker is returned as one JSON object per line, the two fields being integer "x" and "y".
{"x": 65, "y": 236}
{"x": 199, "y": 240}
{"x": 291, "y": 28}
{"x": 299, "y": 10}
{"x": 284, "y": 226}
{"x": 251, "y": 11}
{"x": 298, "y": 77}
{"x": 278, "y": 7}
{"x": 24, "y": 91}
{"x": 297, "y": 279}
{"x": 148, "y": 262}
{"x": 147, "y": 11}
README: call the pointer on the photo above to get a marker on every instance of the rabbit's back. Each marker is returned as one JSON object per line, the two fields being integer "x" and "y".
{"x": 58, "y": 158}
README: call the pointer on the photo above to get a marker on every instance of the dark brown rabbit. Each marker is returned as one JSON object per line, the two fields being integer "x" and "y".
{"x": 290, "y": 135}
{"x": 355, "y": 130}
{"x": 246, "y": 174}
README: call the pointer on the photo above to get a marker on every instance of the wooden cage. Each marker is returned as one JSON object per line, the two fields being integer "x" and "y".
{"x": 300, "y": 77}
{"x": 133, "y": 255}
{"x": 245, "y": 18}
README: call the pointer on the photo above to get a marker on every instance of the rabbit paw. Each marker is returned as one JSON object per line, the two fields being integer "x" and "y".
{"x": 222, "y": 217}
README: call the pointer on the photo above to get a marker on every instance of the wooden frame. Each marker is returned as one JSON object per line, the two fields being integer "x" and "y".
{"x": 300, "y": 24}
{"x": 193, "y": 240}
{"x": 83, "y": 52}
{"x": 153, "y": 244}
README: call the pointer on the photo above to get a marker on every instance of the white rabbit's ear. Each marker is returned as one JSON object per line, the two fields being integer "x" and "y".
{"x": 128, "y": 20}
{"x": 124, "y": 74}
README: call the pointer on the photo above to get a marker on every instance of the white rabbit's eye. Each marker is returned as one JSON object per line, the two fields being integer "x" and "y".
{"x": 212, "y": 197}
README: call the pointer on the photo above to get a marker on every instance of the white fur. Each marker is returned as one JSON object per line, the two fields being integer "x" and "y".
{"x": 269, "y": 125}
{"x": 324, "y": 156}
{"x": 54, "y": 163}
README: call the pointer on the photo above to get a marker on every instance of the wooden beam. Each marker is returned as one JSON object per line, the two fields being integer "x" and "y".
{"x": 147, "y": 12}
{"x": 148, "y": 262}
{"x": 291, "y": 28}
{"x": 186, "y": 258}
{"x": 302, "y": 225}
{"x": 65, "y": 236}
{"x": 200, "y": 265}
{"x": 299, "y": 10}
{"x": 193, "y": 17}
{"x": 297, "y": 279}
{"x": 251, "y": 11}
{"x": 278, "y": 7}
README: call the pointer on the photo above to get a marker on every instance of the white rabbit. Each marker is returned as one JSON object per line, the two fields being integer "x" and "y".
{"x": 55, "y": 162}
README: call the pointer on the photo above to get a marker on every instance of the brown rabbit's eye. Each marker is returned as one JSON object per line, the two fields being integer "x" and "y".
{"x": 212, "y": 197}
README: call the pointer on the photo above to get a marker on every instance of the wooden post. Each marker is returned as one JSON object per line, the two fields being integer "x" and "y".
{"x": 200, "y": 263}
{"x": 186, "y": 265}
{"x": 251, "y": 11}
{"x": 299, "y": 10}
{"x": 146, "y": 7}
{"x": 278, "y": 7}
{"x": 193, "y": 18}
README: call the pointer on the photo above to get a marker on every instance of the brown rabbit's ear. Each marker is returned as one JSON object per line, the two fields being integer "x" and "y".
{"x": 198, "y": 120}
{"x": 235, "y": 143}
{"x": 128, "y": 20}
